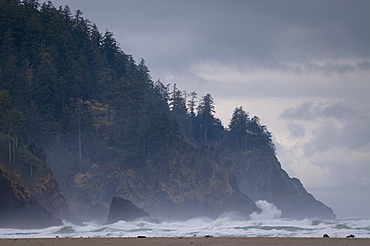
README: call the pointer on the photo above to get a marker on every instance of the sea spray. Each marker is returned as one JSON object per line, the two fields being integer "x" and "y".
{"x": 226, "y": 225}
{"x": 269, "y": 211}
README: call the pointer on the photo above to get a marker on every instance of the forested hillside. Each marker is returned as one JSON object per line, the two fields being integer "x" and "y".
{"x": 82, "y": 98}
{"x": 89, "y": 109}
{"x": 78, "y": 92}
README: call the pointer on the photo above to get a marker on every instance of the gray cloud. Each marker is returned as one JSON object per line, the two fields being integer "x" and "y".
{"x": 328, "y": 68}
{"x": 261, "y": 33}
{"x": 364, "y": 66}
{"x": 339, "y": 125}
{"x": 353, "y": 135}
{"x": 337, "y": 110}
{"x": 309, "y": 111}
{"x": 356, "y": 133}
{"x": 325, "y": 137}
{"x": 295, "y": 130}
{"x": 304, "y": 111}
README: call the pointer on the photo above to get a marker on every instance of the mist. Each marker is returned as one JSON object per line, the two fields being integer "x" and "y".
{"x": 311, "y": 98}
{"x": 229, "y": 224}
{"x": 277, "y": 59}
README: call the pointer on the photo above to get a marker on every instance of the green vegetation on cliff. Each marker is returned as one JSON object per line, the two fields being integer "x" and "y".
{"x": 28, "y": 164}
{"x": 70, "y": 96}
{"x": 18, "y": 208}
{"x": 82, "y": 96}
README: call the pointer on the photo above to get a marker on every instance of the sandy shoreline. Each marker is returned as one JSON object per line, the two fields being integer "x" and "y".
{"x": 186, "y": 241}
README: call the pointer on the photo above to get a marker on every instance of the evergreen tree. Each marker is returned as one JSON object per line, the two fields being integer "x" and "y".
{"x": 84, "y": 99}
{"x": 177, "y": 102}
{"x": 46, "y": 88}
{"x": 239, "y": 129}
{"x": 8, "y": 62}
{"x": 180, "y": 112}
{"x": 261, "y": 138}
{"x": 208, "y": 127}
{"x": 11, "y": 123}
{"x": 192, "y": 104}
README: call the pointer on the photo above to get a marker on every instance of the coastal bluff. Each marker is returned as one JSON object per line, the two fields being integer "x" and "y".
{"x": 18, "y": 209}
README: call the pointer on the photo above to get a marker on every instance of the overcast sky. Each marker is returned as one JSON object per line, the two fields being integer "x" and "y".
{"x": 302, "y": 66}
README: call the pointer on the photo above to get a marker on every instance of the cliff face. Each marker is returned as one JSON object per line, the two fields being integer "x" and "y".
{"x": 188, "y": 184}
{"x": 106, "y": 101}
{"x": 37, "y": 177}
{"x": 45, "y": 191}
{"x": 17, "y": 207}
{"x": 260, "y": 176}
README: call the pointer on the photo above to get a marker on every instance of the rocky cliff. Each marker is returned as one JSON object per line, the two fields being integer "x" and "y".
{"x": 260, "y": 176}
{"x": 37, "y": 177}
{"x": 18, "y": 208}
{"x": 112, "y": 131}
{"x": 185, "y": 184}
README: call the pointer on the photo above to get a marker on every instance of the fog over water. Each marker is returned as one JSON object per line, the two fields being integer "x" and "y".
{"x": 303, "y": 67}
{"x": 265, "y": 224}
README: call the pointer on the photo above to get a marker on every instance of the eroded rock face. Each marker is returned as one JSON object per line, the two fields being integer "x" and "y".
{"x": 18, "y": 209}
{"x": 260, "y": 176}
{"x": 47, "y": 194}
{"x": 187, "y": 184}
{"x": 37, "y": 178}
{"x": 123, "y": 209}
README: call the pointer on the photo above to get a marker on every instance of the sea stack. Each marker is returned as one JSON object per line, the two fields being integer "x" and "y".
{"x": 123, "y": 209}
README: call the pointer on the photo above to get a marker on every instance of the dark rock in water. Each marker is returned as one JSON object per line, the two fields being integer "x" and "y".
{"x": 123, "y": 209}
{"x": 18, "y": 209}
{"x": 326, "y": 236}
{"x": 350, "y": 236}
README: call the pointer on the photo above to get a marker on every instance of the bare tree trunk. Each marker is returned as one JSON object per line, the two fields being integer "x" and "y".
{"x": 87, "y": 155}
{"x": 144, "y": 147}
{"x": 79, "y": 135}
{"x": 14, "y": 146}
{"x": 109, "y": 113}
{"x": 205, "y": 130}
{"x": 10, "y": 147}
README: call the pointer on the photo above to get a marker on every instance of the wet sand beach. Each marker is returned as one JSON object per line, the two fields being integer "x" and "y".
{"x": 192, "y": 241}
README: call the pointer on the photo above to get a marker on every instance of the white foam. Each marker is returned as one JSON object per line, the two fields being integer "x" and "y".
{"x": 269, "y": 211}
{"x": 227, "y": 225}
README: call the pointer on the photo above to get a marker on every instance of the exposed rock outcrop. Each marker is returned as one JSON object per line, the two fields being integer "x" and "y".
{"x": 36, "y": 176}
{"x": 123, "y": 209}
{"x": 186, "y": 184}
{"x": 45, "y": 191}
{"x": 260, "y": 176}
{"x": 17, "y": 207}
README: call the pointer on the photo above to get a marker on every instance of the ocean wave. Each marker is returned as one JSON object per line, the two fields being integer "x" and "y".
{"x": 200, "y": 227}
{"x": 267, "y": 223}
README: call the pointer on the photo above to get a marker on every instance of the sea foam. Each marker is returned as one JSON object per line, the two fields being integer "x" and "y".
{"x": 267, "y": 223}
{"x": 268, "y": 211}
